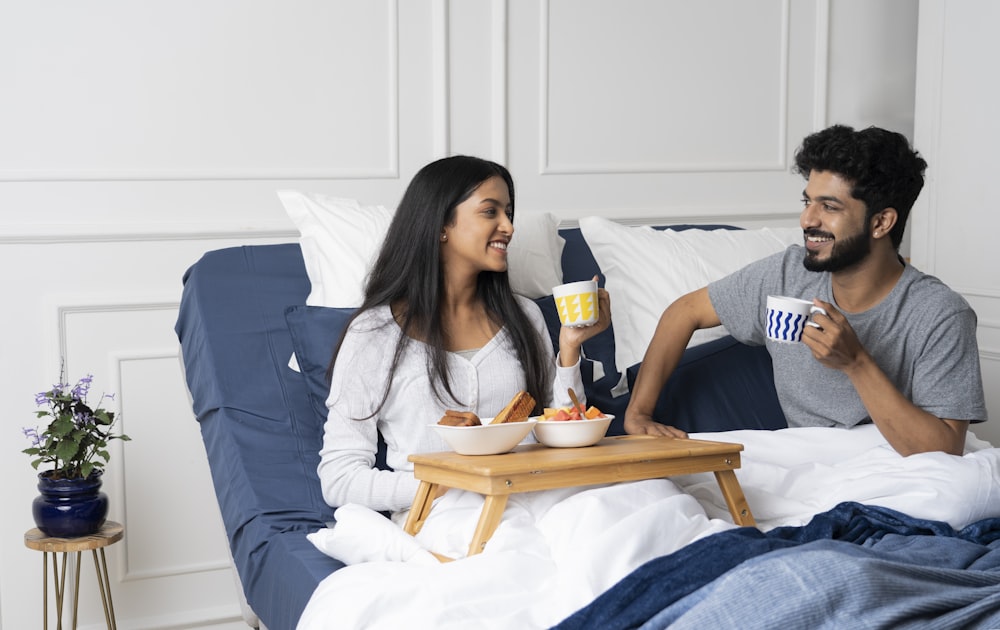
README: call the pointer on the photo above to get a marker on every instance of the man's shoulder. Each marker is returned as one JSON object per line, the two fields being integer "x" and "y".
{"x": 917, "y": 281}
{"x": 928, "y": 293}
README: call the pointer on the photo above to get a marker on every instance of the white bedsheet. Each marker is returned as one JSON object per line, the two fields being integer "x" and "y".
{"x": 556, "y": 550}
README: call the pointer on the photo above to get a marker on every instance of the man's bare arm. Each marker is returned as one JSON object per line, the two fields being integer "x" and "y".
{"x": 687, "y": 314}
{"x": 908, "y": 428}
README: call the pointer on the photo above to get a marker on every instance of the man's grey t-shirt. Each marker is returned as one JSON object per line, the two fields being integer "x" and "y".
{"x": 922, "y": 335}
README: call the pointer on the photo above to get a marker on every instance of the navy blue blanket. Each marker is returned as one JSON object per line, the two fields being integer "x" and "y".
{"x": 854, "y": 566}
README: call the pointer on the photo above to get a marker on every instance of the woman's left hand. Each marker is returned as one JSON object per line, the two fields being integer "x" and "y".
{"x": 571, "y": 338}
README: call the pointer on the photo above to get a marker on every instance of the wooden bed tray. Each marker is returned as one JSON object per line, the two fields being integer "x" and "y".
{"x": 536, "y": 467}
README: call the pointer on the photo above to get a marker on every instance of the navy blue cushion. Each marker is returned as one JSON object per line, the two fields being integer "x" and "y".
{"x": 722, "y": 385}
{"x": 256, "y": 420}
{"x": 315, "y": 331}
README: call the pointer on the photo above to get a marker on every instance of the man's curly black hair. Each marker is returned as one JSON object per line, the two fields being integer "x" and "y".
{"x": 885, "y": 172}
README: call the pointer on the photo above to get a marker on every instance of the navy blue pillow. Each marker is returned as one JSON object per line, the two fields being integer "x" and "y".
{"x": 721, "y": 385}
{"x": 315, "y": 331}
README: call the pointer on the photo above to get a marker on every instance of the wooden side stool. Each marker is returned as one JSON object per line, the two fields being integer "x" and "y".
{"x": 109, "y": 534}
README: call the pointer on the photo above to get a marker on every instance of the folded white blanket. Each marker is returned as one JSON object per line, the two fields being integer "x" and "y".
{"x": 556, "y": 550}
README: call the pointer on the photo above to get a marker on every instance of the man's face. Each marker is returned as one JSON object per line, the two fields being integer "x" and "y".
{"x": 833, "y": 224}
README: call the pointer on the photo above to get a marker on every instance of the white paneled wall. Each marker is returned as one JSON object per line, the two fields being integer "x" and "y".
{"x": 958, "y": 130}
{"x": 136, "y": 136}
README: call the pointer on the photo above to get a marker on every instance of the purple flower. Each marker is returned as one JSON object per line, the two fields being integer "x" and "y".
{"x": 32, "y": 434}
{"x": 87, "y": 435}
{"x": 82, "y": 387}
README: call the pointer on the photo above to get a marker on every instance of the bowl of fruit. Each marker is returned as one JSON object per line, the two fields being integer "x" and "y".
{"x": 570, "y": 427}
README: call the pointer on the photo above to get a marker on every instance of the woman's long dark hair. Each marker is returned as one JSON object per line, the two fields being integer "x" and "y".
{"x": 408, "y": 271}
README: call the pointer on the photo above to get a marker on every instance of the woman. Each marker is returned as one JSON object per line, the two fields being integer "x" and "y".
{"x": 439, "y": 329}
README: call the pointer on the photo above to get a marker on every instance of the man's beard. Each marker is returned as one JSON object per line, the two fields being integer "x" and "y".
{"x": 844, "y": 253}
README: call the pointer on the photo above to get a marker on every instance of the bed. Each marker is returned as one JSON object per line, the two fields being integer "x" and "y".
{"x": 571, "y": 558}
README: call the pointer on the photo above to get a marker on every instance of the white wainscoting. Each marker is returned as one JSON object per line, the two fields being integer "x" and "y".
{"x": 108, "y": 308}
{"x": 957, "y": 129}
{"x": 137, "y": 136}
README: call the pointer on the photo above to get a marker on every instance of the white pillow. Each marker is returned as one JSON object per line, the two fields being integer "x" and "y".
{"x": 340, "y": 239}
{"x": 534, "y": 257}
{"x": 647, "y": 269}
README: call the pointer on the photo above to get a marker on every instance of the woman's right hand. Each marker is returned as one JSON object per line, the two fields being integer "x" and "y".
{"x": 642, "y": 424}
{"x": 571, "y": 338}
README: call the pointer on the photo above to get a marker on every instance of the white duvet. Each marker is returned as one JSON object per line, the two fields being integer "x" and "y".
{"x": 556, "y": 550}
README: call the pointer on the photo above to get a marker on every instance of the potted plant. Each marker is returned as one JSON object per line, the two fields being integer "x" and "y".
{"x": 74, "y": 443}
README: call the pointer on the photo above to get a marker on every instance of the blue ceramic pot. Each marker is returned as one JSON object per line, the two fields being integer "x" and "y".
{"x": 69, "y": 508}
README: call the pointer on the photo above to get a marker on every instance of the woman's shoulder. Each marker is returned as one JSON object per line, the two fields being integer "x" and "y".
{"x": 529, "y": 307}
{"x": 372, "y": 319}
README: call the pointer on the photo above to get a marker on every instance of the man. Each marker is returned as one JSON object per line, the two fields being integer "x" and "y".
{"x": 896, "y": 347}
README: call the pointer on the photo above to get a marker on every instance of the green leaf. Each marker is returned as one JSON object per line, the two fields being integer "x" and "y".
{"x": 62, "y": 426}
{"x": 67, "y": 449}
{"x": 86, "y": 468}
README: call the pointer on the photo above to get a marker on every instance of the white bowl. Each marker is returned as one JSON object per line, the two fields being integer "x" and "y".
{"x": 572, "y": 433}
{"x": 486, "y": 439}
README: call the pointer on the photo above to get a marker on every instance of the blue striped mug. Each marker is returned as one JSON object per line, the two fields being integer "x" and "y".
{"x": 787, "y": 317}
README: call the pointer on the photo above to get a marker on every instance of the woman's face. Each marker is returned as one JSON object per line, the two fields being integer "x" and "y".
{"x": 477, "y": 240}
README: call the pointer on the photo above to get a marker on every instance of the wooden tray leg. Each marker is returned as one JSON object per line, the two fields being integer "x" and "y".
{"x": 489, "y": 519}
{"x": 422, "y": 503}
{"x": 735, "y": 501}
{"x": 419, "y": 511}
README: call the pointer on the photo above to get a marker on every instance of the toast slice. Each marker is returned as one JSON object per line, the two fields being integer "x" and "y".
{"x": 459, "y": 419}
{"x": 517, "y": 410}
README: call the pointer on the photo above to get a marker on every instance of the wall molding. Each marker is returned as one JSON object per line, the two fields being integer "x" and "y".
{"x": 821, "y": 63}
{"x": 498, "y": 81}
{"x": 389, "y": 171}
{"x": 253, "y": 174}
{"x": 441, "y": 77}
{"x": 65, "y": 311}
{"x": 198, "y": 618}
{"x": 927, "y": 129}
{"x": 141, "y": 233}
{"x": 118, "y": 359}
{"x": 279, "y": 230}
{"x": 752, "y": 214}
{"x": 125, "y": 571}
{"x": 547, "y": 167}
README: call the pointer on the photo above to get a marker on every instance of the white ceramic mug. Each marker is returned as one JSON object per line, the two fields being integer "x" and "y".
{"x": 577, "y": 303}
{"x": 787, "y": 317}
